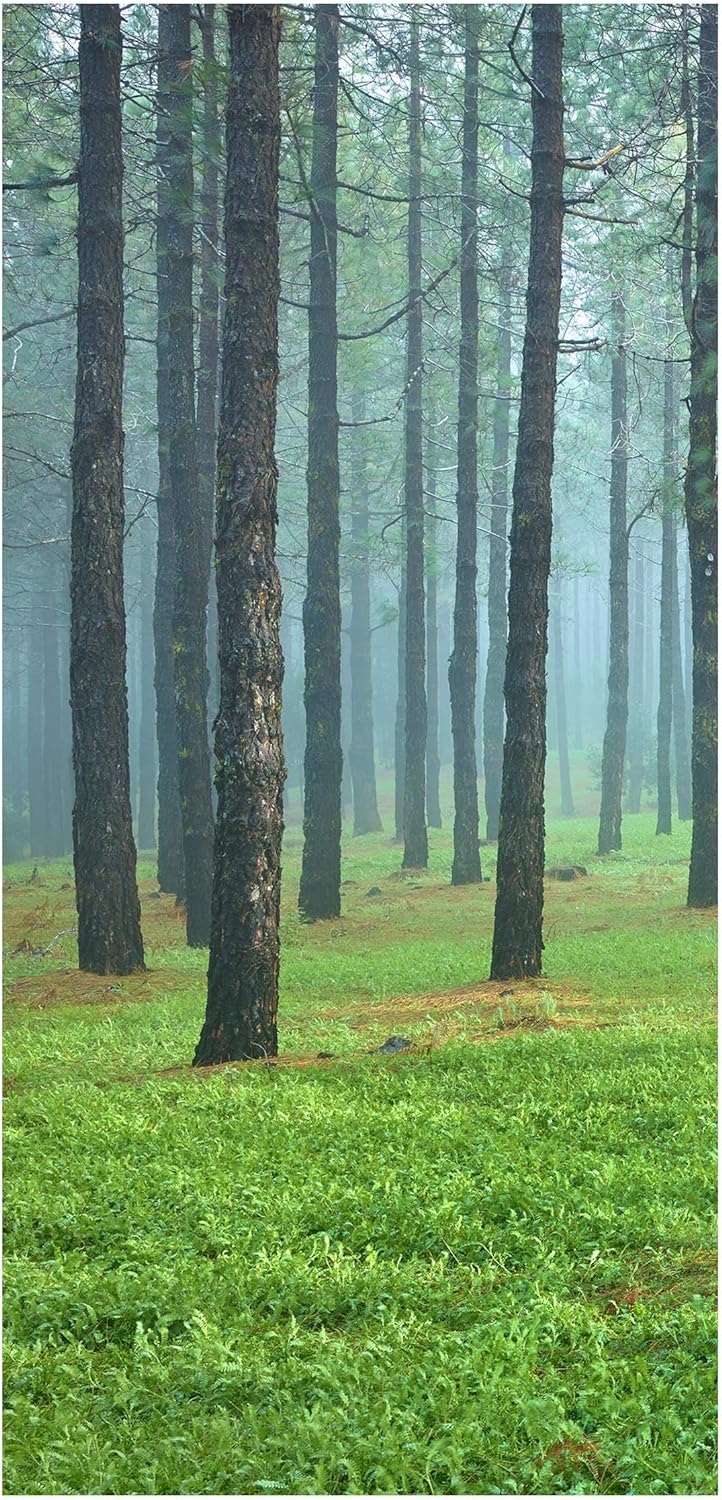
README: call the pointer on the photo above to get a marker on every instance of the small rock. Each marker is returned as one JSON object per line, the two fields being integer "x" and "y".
{"x": 325, "y": 1054}
{"x": 375, "y": 891}
{"x": 394, "y": 1044}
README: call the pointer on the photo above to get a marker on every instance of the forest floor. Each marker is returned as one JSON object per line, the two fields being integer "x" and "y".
{"x": 485, "y": 1265}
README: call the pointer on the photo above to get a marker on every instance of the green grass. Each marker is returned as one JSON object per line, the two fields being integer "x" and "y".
{"x": 470, "y": 1269}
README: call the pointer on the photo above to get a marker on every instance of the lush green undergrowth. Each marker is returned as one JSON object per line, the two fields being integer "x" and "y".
{"x": 485, "y": 1266}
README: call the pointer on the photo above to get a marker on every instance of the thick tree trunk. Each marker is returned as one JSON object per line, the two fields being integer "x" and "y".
{"x": 320, "y": 889}
{"x": 466, "y": 865}
{"x": 613, "y": 752}
{"x": 192, "y": 524}
{"x": 433, "y": 763}
{"x": 52, "y": 774}
{"x": 416, "y": 849}
{"x": 146, "y": 737}
{"x": 496, "y": 657}
{"x": 109, "y": 938}
{"x": 171, "y": 863}
{"x": 667, "y": 611}
{"x": 636, "y": 684}
{"x": 517, "y": 945}
{"x": 207, "y": 381}
{"x": 243, "y": 971}
{"x": 361, "y": 757}
{"x": 699, "y": 489}
{"x": 565, "y": 781}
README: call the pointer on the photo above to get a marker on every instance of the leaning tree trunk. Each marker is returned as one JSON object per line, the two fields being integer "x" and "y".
{"x": 466, "y": 864}
{"x": 565, "y": 781}
{"x": 493, "y": 716}
{"x": 433, "y": 762}
{"x": 146, "y": 738}
{"x": 699, "y": 489}
{"x": 192, "y": 526}
{"x": 613, "y": 751}
{"x": 171, "y": 863}
{"x": 243, "y": 971}
{"x": 320, "y": 889}
{"x": 361, "y": 756}
{"x": 109, "y": 937}
{"x": 668, "y": 621}
{"x": 416, "y": 848}
{"x": 517, "y": 944}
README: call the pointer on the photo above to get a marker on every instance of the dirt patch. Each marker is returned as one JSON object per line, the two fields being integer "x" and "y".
{"x": 697, "y": 1277}
{"x": 570, "y": 1455}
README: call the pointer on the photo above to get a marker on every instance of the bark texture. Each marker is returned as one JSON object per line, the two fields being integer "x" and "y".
{"x": 668, "y": 616}
{"x": 320, "y": 888}
{"x": 416, "y": 848}
{"x": 700, "y": 496}
{"x": 109, "y": 937}
{"x": 493, "y": 715}
{"x": 207, "y": 381}
{"x": 615, "y": 736}
{"x": 366, "y": 817}
{"x": 243, "y": 971}
{"x": 192, "y": 526}
{"x": 517, "y": 944}
{"x": 466, "y": 864}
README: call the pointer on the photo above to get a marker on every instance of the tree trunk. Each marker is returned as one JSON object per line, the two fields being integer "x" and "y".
{"x": 682, "y": 761}
{"x": 109, "y": 937}
{"x": 243, "y": 971}
{"x": 192, "y": 524}
{"x": 667, "y": 612}
{"x": 565, "y": 782}
{"x": 171, "y": 863}
{"x": 320, "y": 889}
{"x": 578, "y": 694}
{"x": 610, "y": 816}
{"x": 466, "y": 865}
{"x": 637, "y": 714}
{"x": 699, "y": 489}
{"x": 146, "y": 738}
{"x": 517, "y": 944}
{"x": 361, "y": 757}
{"x": 52, "y": 774}
{"x": 400, "y": 716}
{"x": 433, "y": 763}
{"x": 496, "y": 657}
{"x": 416, "y": 849}
{"x": 37, "y": 799}
{"x": 207, "y": 382}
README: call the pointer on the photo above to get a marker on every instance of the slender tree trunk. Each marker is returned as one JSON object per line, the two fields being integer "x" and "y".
{"x": 363, "y": 768}
{"x": 192, "y": 524}
{"x": 400, "y": 716}
{"x": 207, "y": 382}
{"x": 416, "y": 849}
{"x": 243, "y": 971}
{"x": 682, "y": 760}
{"x": 517, "y": 944}
{"x": 637, "y": 714}
{"x": 565, "y": 781}
{"x": 320, "y": 888}
{"x": 496, "y": 657}
{"x": 578, "y": 694}
{"x": 171, "y": 863}
{"x": 37, "y": 800}
{"x": 613, "y": 752}
{"x": 433, "y": 763}
{"x": 109, "y": 937}
{"x": 667, "y": 612}
{"x": 52, "y": 774}
{"x": 146, "y": 739}
{"x": 699, "y": 489}
{"x": 466, "y": 865}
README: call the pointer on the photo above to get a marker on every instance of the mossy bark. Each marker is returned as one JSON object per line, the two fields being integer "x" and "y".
{"x": 242, "y": 1004}
{"x": 109, "y": 936}
{"x": 517, "y": 943}
{"x": 615, "y": 735}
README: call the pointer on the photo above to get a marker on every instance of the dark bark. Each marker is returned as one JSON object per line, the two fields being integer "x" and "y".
{"x": 416, "y": 849}
{"x": 320, "y": 889}
{"x": 496, "y": 657}
{"x": 109, "y": 937}
{"x": 466, "y": 864}
{"x": 668, "y": 621}
{"x": 146, "y": 737}
{"x": 242, "y": 1000}
{"x": 433, "y": 763}
{"x": 565, "y": 782}
{"x": 192, "y": 524}
{"x": 362, "y": 761}
{"x": 699, "y": 489}
{"x": 171, "y": 863}
{"x": 517, "y": 943}
{"x": 207, "y": 381}
{"x": 636, "y": 684}
{"x": 615, "y": 736}
{"x": 52, "y": 775}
